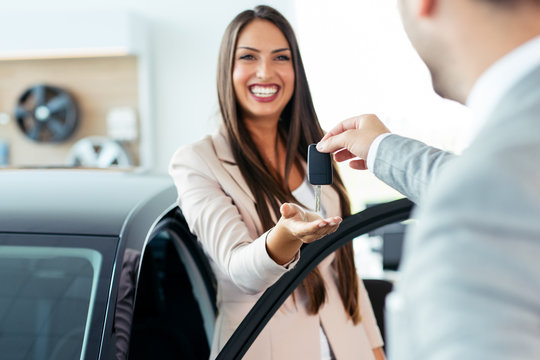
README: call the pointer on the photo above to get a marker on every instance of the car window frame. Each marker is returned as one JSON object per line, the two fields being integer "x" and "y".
{"x": 271, "y": 300}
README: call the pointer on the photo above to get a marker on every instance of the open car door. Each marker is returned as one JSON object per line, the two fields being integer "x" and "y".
{"x": 312, "y": 254}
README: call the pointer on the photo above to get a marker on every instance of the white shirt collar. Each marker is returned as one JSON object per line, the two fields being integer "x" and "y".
{"x": 499, "y": 78}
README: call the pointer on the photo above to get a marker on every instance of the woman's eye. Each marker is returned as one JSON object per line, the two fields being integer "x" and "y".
{"x": 247, "y": 57}
{"x": 283, "y": 58}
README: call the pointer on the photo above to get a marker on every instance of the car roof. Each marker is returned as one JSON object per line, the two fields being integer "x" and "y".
{"x": 83, "y": 202}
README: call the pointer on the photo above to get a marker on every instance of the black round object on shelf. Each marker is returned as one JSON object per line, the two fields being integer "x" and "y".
{"x": 46, "y": 113}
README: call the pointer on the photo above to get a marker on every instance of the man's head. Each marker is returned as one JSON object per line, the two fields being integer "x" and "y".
{"x": 460, "y": 39}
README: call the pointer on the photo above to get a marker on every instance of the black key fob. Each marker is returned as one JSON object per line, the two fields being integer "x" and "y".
{"x": 319, "y": 166}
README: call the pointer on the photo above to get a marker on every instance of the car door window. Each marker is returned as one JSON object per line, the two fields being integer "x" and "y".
{"x": 174, "y": 313}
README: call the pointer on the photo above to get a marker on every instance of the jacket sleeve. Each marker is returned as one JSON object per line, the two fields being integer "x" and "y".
{"x": 409, "y": 165}
{"x": 470, "y": 269}
{"x": 217, "y": 222}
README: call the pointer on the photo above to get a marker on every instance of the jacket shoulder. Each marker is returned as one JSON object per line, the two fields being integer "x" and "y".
{"x": 201, "y": 146}
{"x": 193, "y": 153}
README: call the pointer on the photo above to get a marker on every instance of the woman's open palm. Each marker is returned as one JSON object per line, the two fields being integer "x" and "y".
{"x": 306, "y": 225}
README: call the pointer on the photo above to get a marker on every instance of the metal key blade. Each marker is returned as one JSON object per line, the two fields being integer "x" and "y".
{"x": 317, "y": 198}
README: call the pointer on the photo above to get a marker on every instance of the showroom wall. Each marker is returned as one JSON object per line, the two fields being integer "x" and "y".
{"x": 184, "y": 37}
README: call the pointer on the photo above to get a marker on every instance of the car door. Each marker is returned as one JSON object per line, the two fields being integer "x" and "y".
{"x": 352, "y": 227}
{"x": 175, "y": 304}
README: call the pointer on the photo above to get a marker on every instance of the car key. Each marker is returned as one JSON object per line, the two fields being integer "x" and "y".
{"x": 319, "y": 172}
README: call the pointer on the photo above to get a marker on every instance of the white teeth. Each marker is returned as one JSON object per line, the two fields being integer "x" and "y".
{"x": 263, "y": 91}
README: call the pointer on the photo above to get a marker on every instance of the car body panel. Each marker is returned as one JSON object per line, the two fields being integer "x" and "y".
{"x": 74, "y": 201}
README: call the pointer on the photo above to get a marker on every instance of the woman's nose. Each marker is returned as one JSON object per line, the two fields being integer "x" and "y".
{"x": 264, "y": 70}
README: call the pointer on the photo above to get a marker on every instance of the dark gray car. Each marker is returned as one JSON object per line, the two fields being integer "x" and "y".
{"x": 101, "y": 265}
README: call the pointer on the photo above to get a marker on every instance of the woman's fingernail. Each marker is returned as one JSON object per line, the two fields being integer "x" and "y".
{"x": 323, "y": 224}
{"x": 333, "y": 224}
{"x": 321, "y": 146}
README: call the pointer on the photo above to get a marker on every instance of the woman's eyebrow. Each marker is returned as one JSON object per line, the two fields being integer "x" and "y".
{"x": 280, "y": 50}
{"x": 248, "y": 48}
{"x": 257, "y": 50}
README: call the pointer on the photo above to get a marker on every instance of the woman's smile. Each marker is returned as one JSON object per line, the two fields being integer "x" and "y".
{"x": 264, "y": 92}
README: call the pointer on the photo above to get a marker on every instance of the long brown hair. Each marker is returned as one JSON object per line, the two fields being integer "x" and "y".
{"x": 298, "y": 127}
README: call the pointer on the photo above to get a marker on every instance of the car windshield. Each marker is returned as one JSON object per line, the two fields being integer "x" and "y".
{"x": 46, "y": 300}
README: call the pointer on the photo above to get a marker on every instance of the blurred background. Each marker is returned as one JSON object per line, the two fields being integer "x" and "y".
{"x": 122, "y": 84}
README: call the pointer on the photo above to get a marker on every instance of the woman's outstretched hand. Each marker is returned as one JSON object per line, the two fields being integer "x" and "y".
{"x": 295, "y": 227}
{"x": 306, "y": 226}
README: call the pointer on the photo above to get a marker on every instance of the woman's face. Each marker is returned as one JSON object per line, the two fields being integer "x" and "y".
{"x": 263, "y": 73}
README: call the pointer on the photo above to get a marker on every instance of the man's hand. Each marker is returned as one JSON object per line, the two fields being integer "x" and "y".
{"x": 352, "y": 138}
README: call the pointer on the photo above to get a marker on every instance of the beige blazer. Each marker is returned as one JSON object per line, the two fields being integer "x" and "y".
{"x": 220, "y": 211}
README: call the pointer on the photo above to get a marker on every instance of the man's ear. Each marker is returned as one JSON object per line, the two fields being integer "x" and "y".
{"x": 426, "y": 7}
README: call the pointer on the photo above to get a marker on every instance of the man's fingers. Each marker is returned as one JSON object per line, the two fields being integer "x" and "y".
{"x": 355, "y": 134}
{"x": 334, "y": 143}
{"x": 358, "y": 164}
{"x": 343, "y": 155}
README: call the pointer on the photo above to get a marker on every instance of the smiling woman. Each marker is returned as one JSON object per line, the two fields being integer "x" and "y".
{"x": 245, "y": 195}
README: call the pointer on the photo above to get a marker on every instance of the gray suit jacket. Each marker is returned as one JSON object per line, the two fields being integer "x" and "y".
{"x": 470, "y": 281}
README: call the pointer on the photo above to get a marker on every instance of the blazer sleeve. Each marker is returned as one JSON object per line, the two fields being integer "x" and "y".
{"x": 216, "y": 221}
{"x": 409, "y": 165}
